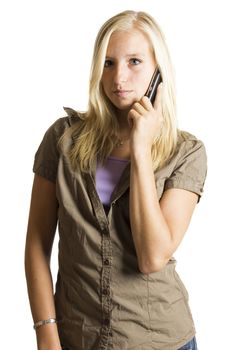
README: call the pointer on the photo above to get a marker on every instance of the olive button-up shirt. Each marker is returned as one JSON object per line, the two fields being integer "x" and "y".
{"x": 102, "y": 299}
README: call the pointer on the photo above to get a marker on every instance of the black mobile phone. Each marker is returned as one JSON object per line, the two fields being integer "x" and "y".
{"x": 153, "y": 86}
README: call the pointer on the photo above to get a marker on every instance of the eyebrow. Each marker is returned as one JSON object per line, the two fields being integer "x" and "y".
{"x": 138, "y": 54}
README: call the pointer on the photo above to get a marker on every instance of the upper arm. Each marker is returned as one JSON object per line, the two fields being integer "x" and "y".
{"x": 183, "y": 189}
{"x": 177, "y": 206}
{"x": 43, "y": 214}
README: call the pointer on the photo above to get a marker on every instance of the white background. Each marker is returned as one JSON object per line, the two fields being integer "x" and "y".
{"x": 46, "y": 49}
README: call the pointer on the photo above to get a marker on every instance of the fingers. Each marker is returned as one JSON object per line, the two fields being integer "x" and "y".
{"x": 133, "y": 114}
{"x": 146, "y": 103}
{"x": 138, "y": 107}
{"x": 142, "y": 107}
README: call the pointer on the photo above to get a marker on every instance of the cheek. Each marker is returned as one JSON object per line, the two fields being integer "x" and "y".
{"x": 105, "y": 83}
{"x": 141, "y": 86}
{"x": 146, "y": 81}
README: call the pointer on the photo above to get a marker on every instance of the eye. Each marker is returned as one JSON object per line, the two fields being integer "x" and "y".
{"x": 108, "y": 63}
{"x": 135, "y": 61}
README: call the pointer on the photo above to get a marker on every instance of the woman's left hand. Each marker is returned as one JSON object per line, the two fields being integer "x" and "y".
{"x": 146, "y": 122}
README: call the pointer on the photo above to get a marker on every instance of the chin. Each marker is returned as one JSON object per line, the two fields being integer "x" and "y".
{"x": 123, "y": 107}
{"x": 124, "y": 104}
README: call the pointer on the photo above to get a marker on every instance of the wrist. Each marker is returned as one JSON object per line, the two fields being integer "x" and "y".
{"x": 48, "y": 338}
{"x": 44, "y": 322}
{"x": 140, "y": 147}
{"x": 49, "y": 347}
{"x": 140, "y": 153}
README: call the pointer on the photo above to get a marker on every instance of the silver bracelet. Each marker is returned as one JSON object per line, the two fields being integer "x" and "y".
{"x": 44, "y": 322}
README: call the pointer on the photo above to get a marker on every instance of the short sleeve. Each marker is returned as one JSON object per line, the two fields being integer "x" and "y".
{"x": 47, "y": 155}
{"x": 191, "y": 168}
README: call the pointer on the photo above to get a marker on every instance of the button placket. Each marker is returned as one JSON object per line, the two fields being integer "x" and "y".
{"x": 106, "y": 274}
{"x": 106, "y": 251}
{"x": 105, "y": 289}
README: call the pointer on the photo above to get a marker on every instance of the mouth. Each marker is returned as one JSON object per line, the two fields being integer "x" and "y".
{"x": 122, "y": 93}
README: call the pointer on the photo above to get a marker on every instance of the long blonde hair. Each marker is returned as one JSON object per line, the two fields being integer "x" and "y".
{"x": 96, "y": 135}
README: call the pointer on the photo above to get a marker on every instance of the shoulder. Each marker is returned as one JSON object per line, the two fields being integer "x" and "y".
{"x": 188, "y": 143}
{"x": 63, "y": 123}
{"x": 187, "y": 168}
{"x": 187, "y": 137}
{"x": 57, "y": 129}
{"x": 191, "y": 158}
{"x": 60, "y": 125}
{"x": 48, "y": 152}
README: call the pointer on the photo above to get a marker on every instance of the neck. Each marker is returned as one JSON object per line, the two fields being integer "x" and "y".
{"x": 122, "y": 117}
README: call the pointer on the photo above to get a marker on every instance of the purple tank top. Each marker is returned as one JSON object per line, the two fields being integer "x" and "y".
{"x": 107, "y": 177}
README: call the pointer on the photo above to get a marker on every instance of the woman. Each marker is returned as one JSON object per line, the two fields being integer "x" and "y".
{"x": 122, "y": 181}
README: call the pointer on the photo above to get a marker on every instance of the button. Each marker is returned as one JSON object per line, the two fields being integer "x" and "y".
{"x": 105, "y": 231}
{"x": 105, "y": 291}
{"x": 106, "y": 262}
{"x": 106, "y": 321}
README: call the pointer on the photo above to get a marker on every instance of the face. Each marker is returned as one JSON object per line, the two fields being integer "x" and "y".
{"x": 129, "y": 66}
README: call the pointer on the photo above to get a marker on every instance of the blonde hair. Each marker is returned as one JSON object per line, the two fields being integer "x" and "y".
{"x": 95, "y": 136}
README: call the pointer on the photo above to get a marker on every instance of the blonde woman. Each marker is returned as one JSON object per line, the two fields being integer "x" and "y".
{"x": 121, "y": 181}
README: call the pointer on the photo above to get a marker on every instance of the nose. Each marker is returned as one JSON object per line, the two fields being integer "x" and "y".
{"x": 120, "y": 74}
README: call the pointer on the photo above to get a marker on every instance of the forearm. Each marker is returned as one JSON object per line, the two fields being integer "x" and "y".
{"x": 40, "y": 291}
{"x": 150, "y": 232}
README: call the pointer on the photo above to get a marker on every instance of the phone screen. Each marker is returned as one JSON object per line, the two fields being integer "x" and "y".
{"x": 153, "y": 86}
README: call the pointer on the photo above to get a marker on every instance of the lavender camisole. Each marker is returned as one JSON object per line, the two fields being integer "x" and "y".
{"x": 107, "y": 177}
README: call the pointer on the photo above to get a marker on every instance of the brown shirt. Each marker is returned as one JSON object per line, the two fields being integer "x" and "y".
{"x": 102, "y": 299}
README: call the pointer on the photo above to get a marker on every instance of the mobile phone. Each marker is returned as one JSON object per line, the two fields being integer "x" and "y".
{"x": 153, "y": 86}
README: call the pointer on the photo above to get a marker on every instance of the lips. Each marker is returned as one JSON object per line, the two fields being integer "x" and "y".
{"x": 122, "y": 93}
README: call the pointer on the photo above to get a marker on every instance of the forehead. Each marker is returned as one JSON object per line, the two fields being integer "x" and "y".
{"x": 127, "y": 42}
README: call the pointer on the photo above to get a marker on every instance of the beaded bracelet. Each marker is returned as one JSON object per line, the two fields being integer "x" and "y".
{"x": 44, "y": 322}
